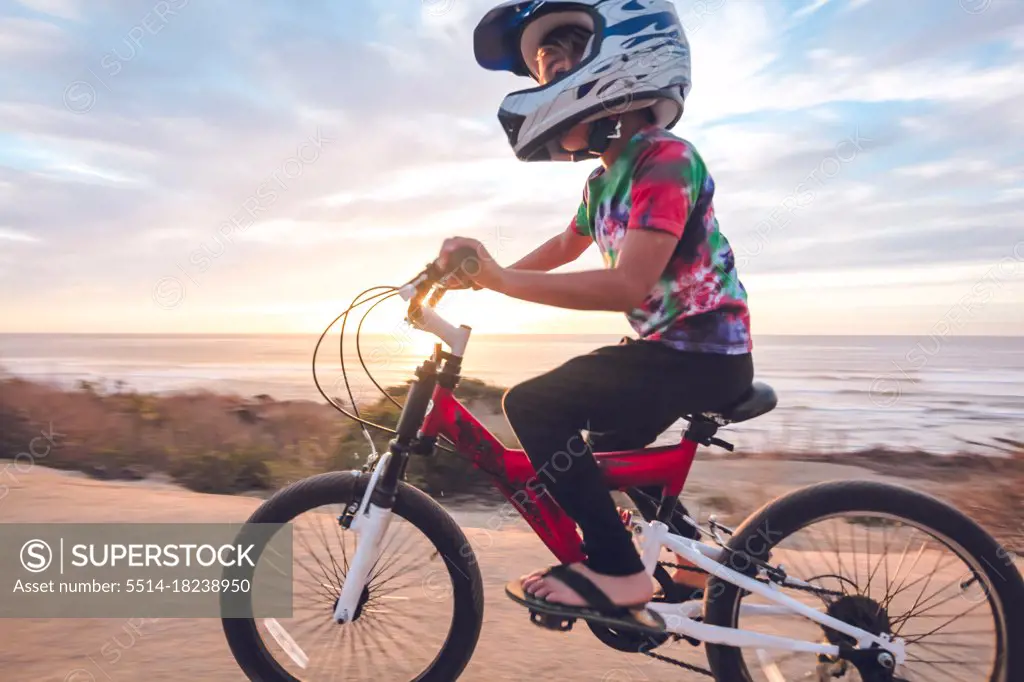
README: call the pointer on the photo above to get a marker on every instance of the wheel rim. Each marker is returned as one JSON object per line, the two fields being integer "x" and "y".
{"x": 932, "y": 592}
{"x": 408, "y": 601}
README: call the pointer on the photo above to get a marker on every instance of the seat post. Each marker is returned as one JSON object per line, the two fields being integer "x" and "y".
{"x": 701, "y": 430}
{"x": 667, "y": 506}
{"x": 673, "y": 486}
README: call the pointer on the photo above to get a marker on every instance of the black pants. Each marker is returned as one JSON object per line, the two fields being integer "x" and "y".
{"x": 624, "y": 396}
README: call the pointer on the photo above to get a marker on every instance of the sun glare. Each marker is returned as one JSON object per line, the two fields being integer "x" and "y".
{"x": 421, "y": 344}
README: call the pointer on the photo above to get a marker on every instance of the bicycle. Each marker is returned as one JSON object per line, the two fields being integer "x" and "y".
{"x": 855, "y": 632}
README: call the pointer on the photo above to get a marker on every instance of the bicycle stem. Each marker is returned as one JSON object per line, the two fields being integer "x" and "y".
{"x": 425, "y": 318}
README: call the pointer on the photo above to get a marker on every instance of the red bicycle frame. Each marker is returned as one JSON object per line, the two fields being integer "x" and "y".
{"x": 524, "y": 487}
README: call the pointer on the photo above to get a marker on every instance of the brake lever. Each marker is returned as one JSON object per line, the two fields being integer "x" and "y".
{"x": 434, "y": 274}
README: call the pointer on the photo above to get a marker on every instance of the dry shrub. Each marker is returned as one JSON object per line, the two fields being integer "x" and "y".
{"x": 206, "y": 441}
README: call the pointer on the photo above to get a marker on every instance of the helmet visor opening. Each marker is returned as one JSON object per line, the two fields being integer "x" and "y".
{"x": 571, "y": 39}
{"x": 560, "y": 51}
{"x": 569, "y": 34}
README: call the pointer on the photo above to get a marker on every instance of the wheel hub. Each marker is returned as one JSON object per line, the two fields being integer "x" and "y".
{"x": 862, "y": 612}
{"x": 363, "y": 598}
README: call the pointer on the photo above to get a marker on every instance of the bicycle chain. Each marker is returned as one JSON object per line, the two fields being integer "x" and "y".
{"x": 819, "y": 591}
{"x": 685, "y": 666}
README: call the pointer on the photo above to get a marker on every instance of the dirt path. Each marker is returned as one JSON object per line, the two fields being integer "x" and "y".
{"x": 172, "y": 650}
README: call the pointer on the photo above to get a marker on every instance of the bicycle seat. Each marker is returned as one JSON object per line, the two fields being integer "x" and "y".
{"x": 759, "y": 399}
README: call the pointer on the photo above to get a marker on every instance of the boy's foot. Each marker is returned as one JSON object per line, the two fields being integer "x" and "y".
{"x": 627, "y": 590}
{"x": 569, "y": 592}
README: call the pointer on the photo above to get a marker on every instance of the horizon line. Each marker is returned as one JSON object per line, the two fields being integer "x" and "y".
{"x": 494, "y": 334}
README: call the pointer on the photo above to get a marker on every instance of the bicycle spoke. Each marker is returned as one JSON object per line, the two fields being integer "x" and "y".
{"x": 918, "y": 614}
{"x": 330, "y": 655}
{"x": 323, "y": 570}
{"x": 413, "y": 640}
{"x": 376, "y": 633}
{"x": 936, "y": 648}
{"x": 803, "y": 563}
{"x": 853, "y": 557}
{"x": 908, "y": 586}
{"x": 377, "y": 593}
{"x": 389, "y": 609}
{"x": 839, "y": 558}
{"x": 867, "y": 559}
{"x": 341, "y": 541}
{"x": 364, "y": 666}
{"x": 885, "y": 560}
{"x": 927, "y": 583}
{"x": 913, "y": 638}
{"x": 899, "y": 567}
{"x": 339, "y": 575}
{"x": 939, "y": 668}
{"x": 322, "y": 590}
{"x": 392, "y": 534}
{"x": 318, "y": 621}
{"x": 379, "y": 578}
{"x": 908, "y": 575}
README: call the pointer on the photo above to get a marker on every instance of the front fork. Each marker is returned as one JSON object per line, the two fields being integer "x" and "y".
{"x": 371, "y": 520}
{"x": 370, "y": 523}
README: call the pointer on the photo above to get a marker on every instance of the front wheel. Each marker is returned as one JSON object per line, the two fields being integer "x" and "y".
{"x": 420, "y": 613}
{"x": 886, "y": 559}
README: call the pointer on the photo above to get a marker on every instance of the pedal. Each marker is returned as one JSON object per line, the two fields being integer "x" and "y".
{"x": 549, "y": 622}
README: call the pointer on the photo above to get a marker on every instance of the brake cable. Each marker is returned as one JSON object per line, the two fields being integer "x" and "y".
{"x": 316, "y": 350}
{"x": 397, "y": 404}
{"x": 359, "y": 351}
{"x": 341, "y": 354}
{"x": 388, "y": 292}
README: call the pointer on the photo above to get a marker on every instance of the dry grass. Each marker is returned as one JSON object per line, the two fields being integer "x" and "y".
{"x": 204, "y": 441}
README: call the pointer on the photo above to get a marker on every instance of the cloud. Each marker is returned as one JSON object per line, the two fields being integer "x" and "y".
{"x": 13, "y": 236}
{"x": 27, "y": 37}
{"x": 810, "y": 8}
{"x": 63, "y": 9}
{"x": 146, "y": 167}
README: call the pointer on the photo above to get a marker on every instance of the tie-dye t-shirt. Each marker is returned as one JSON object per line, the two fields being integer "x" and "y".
{"x": 660, "y": 182}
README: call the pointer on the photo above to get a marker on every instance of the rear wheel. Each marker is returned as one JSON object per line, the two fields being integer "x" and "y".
{"x": 419, "y": 616}
{"x": 886, "y": 559}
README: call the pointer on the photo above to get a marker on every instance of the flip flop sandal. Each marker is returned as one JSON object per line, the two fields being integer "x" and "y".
{"x": 599, "y": 608}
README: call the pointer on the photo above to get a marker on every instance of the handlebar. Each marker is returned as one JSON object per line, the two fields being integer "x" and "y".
{"x": 434, "y": 275}
{"x": 423, "y": 316}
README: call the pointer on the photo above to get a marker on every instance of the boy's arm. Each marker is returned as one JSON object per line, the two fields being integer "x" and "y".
{"x": 666, "y": 185}
{"x": 555, "y": 252}
{"x": 622, "y": 289}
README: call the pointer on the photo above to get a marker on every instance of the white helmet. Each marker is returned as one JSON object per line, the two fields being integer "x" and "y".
{"x": 638, "y": 58}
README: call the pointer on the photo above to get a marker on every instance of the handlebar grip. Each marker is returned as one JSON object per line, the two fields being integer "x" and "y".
{"x": 459, "y": 259}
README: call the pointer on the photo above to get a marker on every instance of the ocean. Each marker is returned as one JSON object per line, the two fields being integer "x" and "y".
{"x": 836, "y": 394}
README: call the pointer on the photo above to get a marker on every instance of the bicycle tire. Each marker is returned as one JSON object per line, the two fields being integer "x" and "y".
{"x": 421, "y": 511}
{"x": 801, "y": 508}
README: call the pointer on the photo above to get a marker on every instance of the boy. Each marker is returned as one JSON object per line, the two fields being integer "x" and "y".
{"x": 613, "y": 77}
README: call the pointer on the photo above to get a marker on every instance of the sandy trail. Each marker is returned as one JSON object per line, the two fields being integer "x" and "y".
{"x": 66, "y": 650}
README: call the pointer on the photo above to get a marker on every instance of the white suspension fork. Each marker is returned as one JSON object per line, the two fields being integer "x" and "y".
{"x": 370, "y": 524}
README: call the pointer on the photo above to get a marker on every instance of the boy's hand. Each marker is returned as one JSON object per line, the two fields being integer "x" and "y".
{"x": 479, "y": 272}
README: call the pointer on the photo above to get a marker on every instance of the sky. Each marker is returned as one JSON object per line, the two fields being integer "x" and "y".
{"x": 179, "y": 167}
